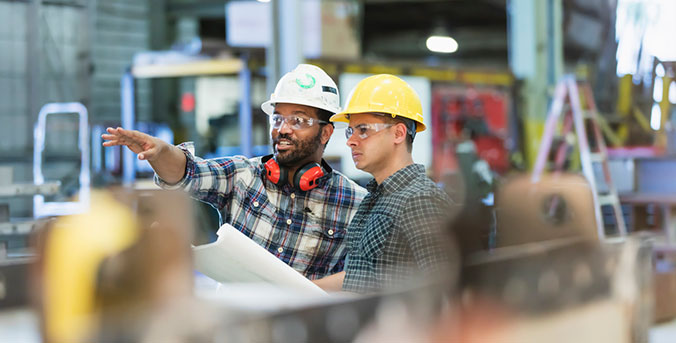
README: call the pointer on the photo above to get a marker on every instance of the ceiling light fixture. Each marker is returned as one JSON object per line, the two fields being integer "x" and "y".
{"x": 442, "y": 44}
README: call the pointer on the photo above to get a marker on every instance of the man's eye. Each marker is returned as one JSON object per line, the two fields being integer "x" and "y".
{"x": 362, "y": 130}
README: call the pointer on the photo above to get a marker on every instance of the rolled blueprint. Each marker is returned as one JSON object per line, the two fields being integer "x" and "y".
{"x": 235, "y": 258}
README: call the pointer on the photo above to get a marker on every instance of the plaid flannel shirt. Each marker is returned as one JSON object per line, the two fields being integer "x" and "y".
{"x": 305, "y": 229}
{"x": 397, "y": 233}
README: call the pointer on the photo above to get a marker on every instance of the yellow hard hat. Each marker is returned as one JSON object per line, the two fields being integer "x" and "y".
{"x": 74, "y": 250}
{"x": 383, "y": 93}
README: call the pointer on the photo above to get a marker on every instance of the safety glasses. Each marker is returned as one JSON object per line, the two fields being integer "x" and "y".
{"x": 294, "y": 122}
{"x": 366, "y": 130}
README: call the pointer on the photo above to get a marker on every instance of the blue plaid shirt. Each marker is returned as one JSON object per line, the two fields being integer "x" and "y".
{"x": 398, "y": 234}
{"x": 305, "y": 229}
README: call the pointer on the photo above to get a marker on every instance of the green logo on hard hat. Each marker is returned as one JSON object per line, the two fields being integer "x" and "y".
{"x": 309, "y": 84}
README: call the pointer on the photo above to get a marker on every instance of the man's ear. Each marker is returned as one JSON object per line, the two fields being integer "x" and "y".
{"x": 399, "y": 133}
{"x": 327, "y": 131}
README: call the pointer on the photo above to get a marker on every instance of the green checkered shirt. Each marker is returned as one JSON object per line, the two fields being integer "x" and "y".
{"x": 396, "y": 234}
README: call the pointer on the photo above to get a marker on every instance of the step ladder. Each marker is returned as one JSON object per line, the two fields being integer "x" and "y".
{"x": 568, "y": 99}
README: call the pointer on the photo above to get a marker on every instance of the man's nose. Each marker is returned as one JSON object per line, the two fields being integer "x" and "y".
{"x": 285, "y": 127}
{"x": 352, "y": 141}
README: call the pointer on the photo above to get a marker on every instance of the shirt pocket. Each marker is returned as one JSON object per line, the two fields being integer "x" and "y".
{"x": 257, "y": 216}
{"x": 318, "y": 227}
{"x": 322, "y": 243}
{"x": 374, "y": 237}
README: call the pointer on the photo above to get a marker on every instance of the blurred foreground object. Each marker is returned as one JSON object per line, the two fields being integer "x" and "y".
{"x": 101, "y": 275}
{"x": 551, "y": 277}
{"x": 114, "y": 275}
{"x": 557, "y": 206}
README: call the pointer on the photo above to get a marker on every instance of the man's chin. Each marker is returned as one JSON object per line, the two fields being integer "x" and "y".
{"x": 285, "y": 158}
{"x": 361, "y": 166}
{"x": 281, "y": 153}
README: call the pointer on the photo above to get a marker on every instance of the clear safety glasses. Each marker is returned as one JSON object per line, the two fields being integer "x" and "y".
{"x": 294, "y": 122}
{"x": 364, "y": 131}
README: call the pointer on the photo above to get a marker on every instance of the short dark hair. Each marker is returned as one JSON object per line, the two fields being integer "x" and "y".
{"x": 324, "y": 115}
{"x": 410, "y": 129}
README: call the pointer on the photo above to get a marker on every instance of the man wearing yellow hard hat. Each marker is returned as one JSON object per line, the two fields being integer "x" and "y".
{"x": 396, "y": 235}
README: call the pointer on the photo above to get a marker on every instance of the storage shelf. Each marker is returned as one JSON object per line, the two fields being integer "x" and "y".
{"x": 29, "y": 189}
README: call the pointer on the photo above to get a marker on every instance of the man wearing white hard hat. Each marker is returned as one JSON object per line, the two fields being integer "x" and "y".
{"x": 291, "y": 202}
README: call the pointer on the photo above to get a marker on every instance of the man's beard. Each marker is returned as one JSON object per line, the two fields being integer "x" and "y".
{"x": 303, "y": 149}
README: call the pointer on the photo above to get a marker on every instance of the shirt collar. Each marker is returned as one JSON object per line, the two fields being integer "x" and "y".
{"x": 397, "y": 181}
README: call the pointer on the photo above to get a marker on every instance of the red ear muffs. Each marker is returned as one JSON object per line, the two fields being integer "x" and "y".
{"x": 275, "y": 173}
{"x": 306, "y": 177}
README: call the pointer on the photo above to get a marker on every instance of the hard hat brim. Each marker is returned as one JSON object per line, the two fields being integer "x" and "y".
{"x": 268, "y": 107}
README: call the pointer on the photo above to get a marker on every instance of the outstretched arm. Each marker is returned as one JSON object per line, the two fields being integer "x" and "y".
{"x": 167, "y": 160}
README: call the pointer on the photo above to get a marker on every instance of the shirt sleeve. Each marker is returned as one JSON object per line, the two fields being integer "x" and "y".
{"x": 423, "y": 225}
{"x": 211, "y": 180}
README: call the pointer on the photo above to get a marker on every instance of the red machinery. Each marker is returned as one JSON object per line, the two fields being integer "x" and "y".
{"x": 461, "y": 113}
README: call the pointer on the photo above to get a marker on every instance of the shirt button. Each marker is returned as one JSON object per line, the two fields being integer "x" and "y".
{"x": 330, "y": 232}
{"x": 256, "y": 204}
{"x": 289, "y": 221}
{"x": 293, "y": 196}
{"x": 280, "y": 250}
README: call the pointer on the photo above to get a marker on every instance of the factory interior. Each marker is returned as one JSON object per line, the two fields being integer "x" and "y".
{"x": 337, "y": 171}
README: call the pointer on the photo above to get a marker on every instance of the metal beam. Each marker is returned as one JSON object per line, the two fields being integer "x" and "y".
{"x": 272, "y": 51}
{"x": 285, "y": 50}
{"x": 34, "y": 59}
{"x": 127, "y": 92}
{"x": 290, "y": 35}
{"x": 160, "y": 89}
{"x": 245, "y": 120}
{"x": 536, "y": 57}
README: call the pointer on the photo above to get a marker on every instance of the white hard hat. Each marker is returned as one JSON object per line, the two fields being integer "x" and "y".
{"x": 306, "y": 85}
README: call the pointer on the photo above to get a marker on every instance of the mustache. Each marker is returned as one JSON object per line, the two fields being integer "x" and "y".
{"x": 283, "y": 136}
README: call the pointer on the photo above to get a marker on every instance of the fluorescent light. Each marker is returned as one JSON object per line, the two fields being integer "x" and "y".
{"x": 442, "y": 44}
{"x": 655, "y": 117}
{"x": 263, "y": 0}
{"x": 657, "y": 89}
{"x": 672, "y": 92}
